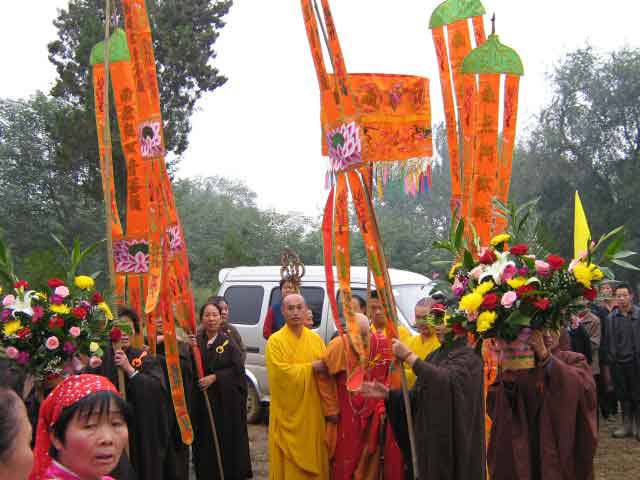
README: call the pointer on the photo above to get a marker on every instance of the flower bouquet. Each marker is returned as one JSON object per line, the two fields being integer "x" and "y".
{"x": 503, "y": 290}
{"x": 54, "y": 332}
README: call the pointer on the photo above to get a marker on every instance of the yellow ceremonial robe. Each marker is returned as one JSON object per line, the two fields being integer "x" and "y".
{"x": 297, "y": 450}
{"x": 421, "y": 348}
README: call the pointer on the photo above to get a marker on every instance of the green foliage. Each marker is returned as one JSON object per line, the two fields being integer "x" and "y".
{"x": 184, "y": 34}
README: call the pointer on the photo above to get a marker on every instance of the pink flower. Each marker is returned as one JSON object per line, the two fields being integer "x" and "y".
{"x": 95, "y": 362}
{"x": 56, "y": 299}
{"x": 5, "y": 315}
{"x": 52, "y": 342}
{"x": 69, "y": 348}
{"x": 508, "y": 299}
{"x": 509, "y": 272}
{"x": 8, "y": 300}
{"x": 523, "y": 272}
{"x": 476, "y": 272}
{"x": 457, "y": 288}
{"x": 12, "y": 352}
{"x": 62, "y": 291}
{"x": 38, "y": 313}
{"x": 23, "y": 358}
{"x": 573, "y": 264}
{"x": 74, "y": 332}
{"x": 542, "y": 268}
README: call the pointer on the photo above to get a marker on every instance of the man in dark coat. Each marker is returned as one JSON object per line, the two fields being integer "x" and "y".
{"x": 447, "y": 402}
{"x": 623, "y": 342}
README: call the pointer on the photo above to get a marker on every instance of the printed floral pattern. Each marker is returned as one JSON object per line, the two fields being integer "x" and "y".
{"x": 150, "y": 138}
{"x": 175, "y": 238}
{"x": 345, "y": 147}
{"x": 131, "y": 256}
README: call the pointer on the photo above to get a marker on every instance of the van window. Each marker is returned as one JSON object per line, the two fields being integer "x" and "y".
{"x": 245, "y": 304}
{"x": 314, "y": 296}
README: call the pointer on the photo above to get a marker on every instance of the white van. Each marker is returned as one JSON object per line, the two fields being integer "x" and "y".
{"x": 250, "y": 291}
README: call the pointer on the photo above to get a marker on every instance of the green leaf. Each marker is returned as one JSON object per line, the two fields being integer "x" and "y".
{"x": 623, "y": 254}
{"x": 625, "y": 264}
{"x": 527, "y": 205}
{"x": 614, "y": 246}
{"x": 468, "y": 262}
{"x": 442, "y": 262}
{"x": 518, "y": 318}
{"x": 608, "y": 273}
{"x": 459, "y": 235}
{"x": 607, "y": 236}
{"x": 61, "y": 245}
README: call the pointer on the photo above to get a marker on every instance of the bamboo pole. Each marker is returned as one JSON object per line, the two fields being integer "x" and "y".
{"x": 106, "y": 187}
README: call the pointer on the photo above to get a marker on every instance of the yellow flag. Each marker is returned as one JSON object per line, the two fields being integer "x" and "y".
{"x": 581, "y": 233}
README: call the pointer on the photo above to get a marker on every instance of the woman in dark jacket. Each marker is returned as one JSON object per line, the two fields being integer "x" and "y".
{"x": 225, "y": 387}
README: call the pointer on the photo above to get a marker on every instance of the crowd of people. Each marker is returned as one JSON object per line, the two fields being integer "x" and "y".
{"x": 338, "y": 411}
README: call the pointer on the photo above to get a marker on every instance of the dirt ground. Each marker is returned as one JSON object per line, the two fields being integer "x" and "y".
{"x": 615, "y": 459}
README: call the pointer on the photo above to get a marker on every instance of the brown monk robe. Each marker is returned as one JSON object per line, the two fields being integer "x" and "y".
{"x": 447, "y": 402}
{"x": 544, "y": 419}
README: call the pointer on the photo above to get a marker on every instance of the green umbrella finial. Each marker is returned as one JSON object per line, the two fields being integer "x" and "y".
{"x": 453, "y": 10}
{"x": 118, "y": 49}
{"x": 493, "y": 57}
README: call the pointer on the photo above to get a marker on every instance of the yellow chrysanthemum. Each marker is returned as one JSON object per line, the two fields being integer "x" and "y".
{"x": 486, "y": 321}
{"x": 60, "y": 309}
{"x": 471, "y": 302}
{"x": 484, "y": 288}
{"x": 84, "y": 282}
{"x": 10, "y": 328}
{"x": 93, "y": 347}
{"x": 106, "y": 310}
{"x": 498, "y": 239}
{"x": 516, "y": 282}
{"x": 596, "y": 273}
{"x": 583, "y": 274}
{"x": 454, "y": 269}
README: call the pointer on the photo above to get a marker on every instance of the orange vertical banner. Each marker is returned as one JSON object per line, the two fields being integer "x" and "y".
{"x": 485, "y": 175}
{"x": 509, "y": 123}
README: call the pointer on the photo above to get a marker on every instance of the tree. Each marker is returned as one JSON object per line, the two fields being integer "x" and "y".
{"x": 586, "y": 139}
{"x": 39, "y": 194}
{"x": 184, "y": 33}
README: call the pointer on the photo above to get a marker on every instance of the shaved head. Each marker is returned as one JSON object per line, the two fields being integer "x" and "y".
{"x": 293, "y": 298}
{"x": 294, "y": 311}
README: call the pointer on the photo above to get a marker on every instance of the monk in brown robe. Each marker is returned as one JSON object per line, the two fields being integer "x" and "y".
{"x": 447, "y": 402}
{"x": 544, "y": 419}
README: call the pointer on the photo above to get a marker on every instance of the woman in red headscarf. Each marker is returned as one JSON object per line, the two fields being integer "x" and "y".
{"x": 82, "y": 430}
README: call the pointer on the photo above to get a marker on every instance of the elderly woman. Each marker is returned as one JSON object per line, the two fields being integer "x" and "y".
{"x": 82, "y": 430}
{"x": 225, "y": 387}
{"x": 16, "y": 458}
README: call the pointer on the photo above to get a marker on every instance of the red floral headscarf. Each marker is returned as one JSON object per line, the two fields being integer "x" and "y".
{"x": 70, "y": 391}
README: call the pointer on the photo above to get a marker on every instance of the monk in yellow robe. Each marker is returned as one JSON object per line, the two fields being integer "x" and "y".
{"x": 424, "y": 343}
{"x": 297, "y": 449}
{"x": 379, "y": 323}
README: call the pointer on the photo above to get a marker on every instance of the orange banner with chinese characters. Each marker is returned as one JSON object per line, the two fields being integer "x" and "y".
{"x": 485, "y": 174}
{"x": 450, "y": 118}
{"x": 509, "y": 121}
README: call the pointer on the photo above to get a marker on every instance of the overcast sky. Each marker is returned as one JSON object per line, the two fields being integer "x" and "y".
{"x": 262, "y": 127}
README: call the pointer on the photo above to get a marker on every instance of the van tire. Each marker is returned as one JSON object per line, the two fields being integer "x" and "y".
{"x": 254, "y": 407}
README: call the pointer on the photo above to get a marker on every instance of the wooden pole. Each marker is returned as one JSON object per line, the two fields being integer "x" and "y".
{"x": 197, "y": 357}
{"x": 106, "y": 187}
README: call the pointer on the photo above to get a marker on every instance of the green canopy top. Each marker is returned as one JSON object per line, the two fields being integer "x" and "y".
{"x": 453, "y": 10}
{"x": 118, "y": 49}
{"x": 493, "y": 57}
